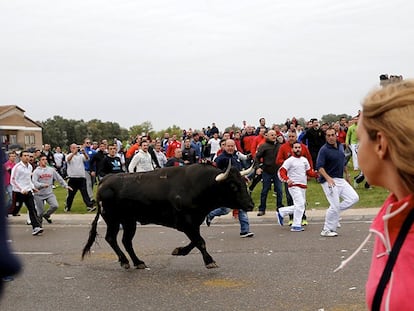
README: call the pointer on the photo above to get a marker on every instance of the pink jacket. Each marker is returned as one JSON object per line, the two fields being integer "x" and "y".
{"x": 399, "y": 293}
{"x": 8, "y": 165}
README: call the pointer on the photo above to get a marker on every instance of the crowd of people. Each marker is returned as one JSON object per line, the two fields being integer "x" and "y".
{"x": 378, "y": 139}
{"x": 84, "y": 165}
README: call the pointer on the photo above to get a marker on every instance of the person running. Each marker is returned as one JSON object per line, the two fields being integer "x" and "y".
{"x": 23, "y": 188}
{"x": 330, "y": 165}
{"x": 222, "y": 161}
{"x": 43, "y": 179}
{"x": 294, "y": 172}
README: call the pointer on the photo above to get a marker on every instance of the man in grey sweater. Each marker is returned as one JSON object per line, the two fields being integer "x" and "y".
{"x": 43, "y": 178}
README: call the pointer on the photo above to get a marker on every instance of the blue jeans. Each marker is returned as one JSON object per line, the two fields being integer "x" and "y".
{"x": 9, "y": 199}
{"x": 243, "y": 218}
{"x": 268, "y": 179}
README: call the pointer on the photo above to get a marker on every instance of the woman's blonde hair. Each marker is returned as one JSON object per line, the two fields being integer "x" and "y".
{"x": 390, "y": 110}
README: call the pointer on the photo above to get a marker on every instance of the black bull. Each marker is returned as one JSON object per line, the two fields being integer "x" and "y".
{"x": 176, "y": 197}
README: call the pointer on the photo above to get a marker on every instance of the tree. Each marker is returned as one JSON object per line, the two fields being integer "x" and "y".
{"x": 233, "y": 128}
{"x": 332, "y": 118}
{"x": 62, "y": 132}
{"x": 144, "y": 128}
{"x": 172, "y": 130}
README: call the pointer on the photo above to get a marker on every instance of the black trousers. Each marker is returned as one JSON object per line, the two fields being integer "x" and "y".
{"x": 18, "y": 200}
{"x": 77, "y": 183}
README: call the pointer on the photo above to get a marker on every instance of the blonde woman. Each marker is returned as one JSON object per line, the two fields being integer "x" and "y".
{"x": 386, "y": 156}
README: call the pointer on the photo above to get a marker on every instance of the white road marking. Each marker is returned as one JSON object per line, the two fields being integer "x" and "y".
{"x": 32, "y": 253}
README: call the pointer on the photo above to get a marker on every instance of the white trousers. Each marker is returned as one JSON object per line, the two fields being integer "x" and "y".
{"x": 341, "y": 190}
{"x": 299, "y": 200}
{"x": 354, "y": 149}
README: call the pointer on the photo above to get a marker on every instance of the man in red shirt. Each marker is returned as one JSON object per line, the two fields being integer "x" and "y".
{"x": 174, "y": 144}
{"x": 259, "y": 140}
{"x": 285, "y": 152}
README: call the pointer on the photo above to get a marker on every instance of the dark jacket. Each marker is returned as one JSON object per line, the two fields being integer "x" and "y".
{"x": 189, "y": 155}
{"x": 266, "y": 154}
{"x": 222, "y": 161}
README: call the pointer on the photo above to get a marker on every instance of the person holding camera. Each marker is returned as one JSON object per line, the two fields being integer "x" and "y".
{"x": 77, "y": 178}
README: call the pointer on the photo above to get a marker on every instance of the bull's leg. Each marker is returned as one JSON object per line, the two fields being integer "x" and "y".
{"x": 183, "y": 250}
{"x": 130, "y": 228}
{"x": 193, "y": 233}
{"x": 111, "y": 234}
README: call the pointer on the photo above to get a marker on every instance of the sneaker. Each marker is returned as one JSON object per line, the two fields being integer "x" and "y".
{"x": 359, "y": 178}
{"x": 355, "y": 184}
{"x": 47, "y": 218}
{"x": 66, "y": 209}
{"x": 297, "y": 229}
{"x": 304, "y": 222}
{"x": 246, "y": 234}
{"x": 261, "y": 213}
{"x": 208, "y": 221}
{"x": 279, "y": 219}
{"x": 7, "y": 279}
{"x": 290, "y": 223}
{"x": 37, "y": 230}
{"x": 328, "y": 233}
{"x": 91, "y": 209}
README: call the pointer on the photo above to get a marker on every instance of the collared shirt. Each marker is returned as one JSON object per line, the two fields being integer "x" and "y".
{"x": 332, "y": 160}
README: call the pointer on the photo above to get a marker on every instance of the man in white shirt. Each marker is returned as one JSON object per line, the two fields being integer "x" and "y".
{"x": 142, "y": 161}
{"x": 21, "y": 181}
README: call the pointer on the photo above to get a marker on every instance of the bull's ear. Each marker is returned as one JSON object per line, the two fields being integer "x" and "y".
{"x": 247, "y": 171}
{"x": 223, "y": 176}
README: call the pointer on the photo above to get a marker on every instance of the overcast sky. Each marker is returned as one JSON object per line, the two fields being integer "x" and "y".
{"x": 192, "y": 62}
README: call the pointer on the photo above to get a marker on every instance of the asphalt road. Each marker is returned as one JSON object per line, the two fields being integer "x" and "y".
{"x": 275, "y": 270}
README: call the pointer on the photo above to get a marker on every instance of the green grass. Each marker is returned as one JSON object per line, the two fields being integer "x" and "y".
{"x": 315, "y": 197}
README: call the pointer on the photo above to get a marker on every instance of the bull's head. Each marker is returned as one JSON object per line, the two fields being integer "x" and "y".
{"x": 238, "y": 187}
{"x": 223, "y": 176}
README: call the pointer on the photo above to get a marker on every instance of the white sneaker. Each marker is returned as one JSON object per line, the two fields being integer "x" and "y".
{"x": 37, "y": 230}
{"x": 328, "y": 233}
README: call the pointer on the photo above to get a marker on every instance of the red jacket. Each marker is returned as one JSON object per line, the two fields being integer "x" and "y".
{"x": 258, "y": 140}
{"x": 285, "y": 152}
{"x": 171, "y": 148}
{"x": 399, "y": 290}
{"x": 246, "y": 143}
{"x": 131, "y": 151}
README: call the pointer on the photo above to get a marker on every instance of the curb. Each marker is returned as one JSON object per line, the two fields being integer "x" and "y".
{"x": 313, "y": 215}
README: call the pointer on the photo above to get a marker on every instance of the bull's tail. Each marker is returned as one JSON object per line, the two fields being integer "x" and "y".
{"x": 93, "y": 232}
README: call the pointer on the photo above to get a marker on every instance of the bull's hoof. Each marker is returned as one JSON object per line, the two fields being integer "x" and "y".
{"x": 141, "y": 266}
{"x": 212, "y": 265}
{"x": 125, "y": 265}
{"x": 179, "y": 251}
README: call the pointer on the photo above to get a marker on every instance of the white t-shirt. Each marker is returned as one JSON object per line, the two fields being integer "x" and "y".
{"x": 215, "y": 145}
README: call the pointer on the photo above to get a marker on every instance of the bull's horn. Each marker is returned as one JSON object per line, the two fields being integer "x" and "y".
{"x": 223, "y": 176}
{"x": 247, "y": 171}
